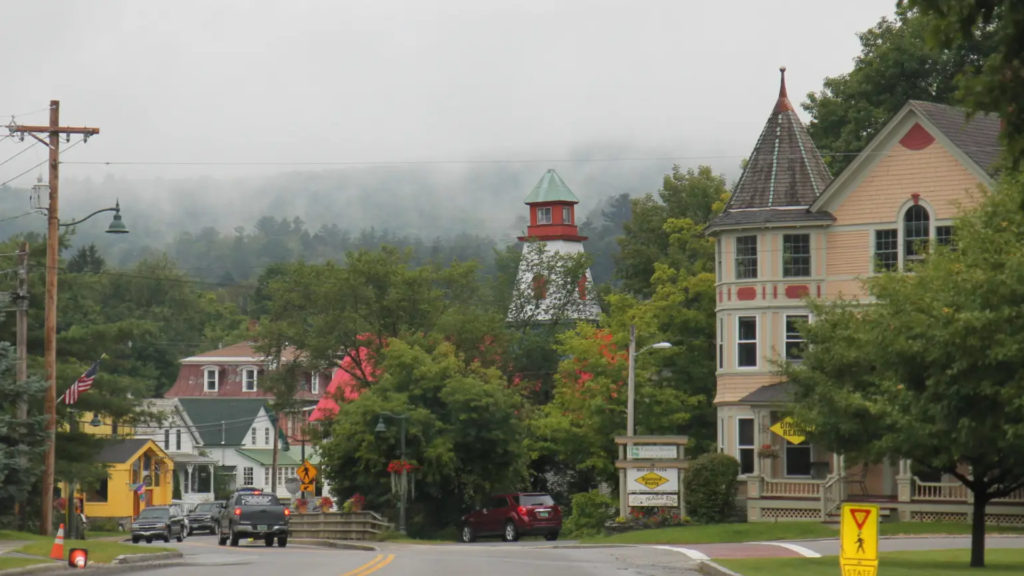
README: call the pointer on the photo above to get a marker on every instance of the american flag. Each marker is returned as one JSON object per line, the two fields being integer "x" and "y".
{"x": 83, "y": 383}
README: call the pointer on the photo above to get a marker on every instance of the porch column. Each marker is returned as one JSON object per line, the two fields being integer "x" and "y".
{"x": 904, "y": 482}
{"x": 213, "y": 480}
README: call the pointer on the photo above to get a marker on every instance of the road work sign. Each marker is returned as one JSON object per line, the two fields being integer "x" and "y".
{"x": 858, "y": 540}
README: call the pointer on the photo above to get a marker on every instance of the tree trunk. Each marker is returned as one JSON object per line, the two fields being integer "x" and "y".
{"x": 978, "y": 530}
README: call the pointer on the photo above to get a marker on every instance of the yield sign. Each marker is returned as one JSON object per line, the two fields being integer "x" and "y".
{"x": 860, "y": 516}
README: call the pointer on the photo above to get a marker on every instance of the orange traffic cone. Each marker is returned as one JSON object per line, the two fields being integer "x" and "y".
{"x": 57, "y": 552}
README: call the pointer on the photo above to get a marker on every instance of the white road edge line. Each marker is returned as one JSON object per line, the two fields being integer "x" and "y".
{"x": 693, "y": 554}
{"x": 805, "y": 552}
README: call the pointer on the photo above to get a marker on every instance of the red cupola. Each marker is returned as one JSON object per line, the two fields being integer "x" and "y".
{"x": 552, "y": 211}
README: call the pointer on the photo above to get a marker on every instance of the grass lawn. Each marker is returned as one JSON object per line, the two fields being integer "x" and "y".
{"x": 7, "y": 563}
{"x": 930, "y": 563}
{"x": 99, "y": 550}
{"x": 766, "y": 531}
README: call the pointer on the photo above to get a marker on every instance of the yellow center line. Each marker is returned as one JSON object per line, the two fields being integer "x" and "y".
{"x": 372, "y": 566}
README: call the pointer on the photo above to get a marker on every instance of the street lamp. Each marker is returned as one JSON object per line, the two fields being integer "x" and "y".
{"x": 631, "y": 382}
{"x": 380, "y": 429}
{"x": 117, "y": 225}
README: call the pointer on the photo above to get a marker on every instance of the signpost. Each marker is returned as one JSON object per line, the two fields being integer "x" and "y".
{"x": 858, "y": 540}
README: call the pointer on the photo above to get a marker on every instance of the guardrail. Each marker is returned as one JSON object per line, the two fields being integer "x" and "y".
{"x": 364, "y": 525}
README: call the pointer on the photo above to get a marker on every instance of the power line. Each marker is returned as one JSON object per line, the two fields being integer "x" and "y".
{"x": 20, "y": 174}
{"x": 26, "y": 149}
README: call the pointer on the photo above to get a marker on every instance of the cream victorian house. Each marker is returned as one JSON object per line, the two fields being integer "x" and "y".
{"x": 790, "y": 231}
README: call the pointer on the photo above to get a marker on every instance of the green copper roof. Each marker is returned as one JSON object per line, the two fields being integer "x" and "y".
{"x": 551, "y": 188}
{"x": 266, "y": 457}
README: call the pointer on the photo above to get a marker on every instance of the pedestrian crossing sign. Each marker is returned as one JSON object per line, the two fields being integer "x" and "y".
{"x": 858, "y": 539}
{"x": 307, "y": 473}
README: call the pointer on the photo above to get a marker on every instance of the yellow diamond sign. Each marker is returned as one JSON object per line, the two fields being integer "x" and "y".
{"x": 790, "y": 429}
{"x": 652, "y": 480}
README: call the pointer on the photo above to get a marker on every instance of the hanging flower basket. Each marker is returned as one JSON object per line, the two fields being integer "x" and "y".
{"x": 396, "y": 468}
{"x": 768, "y": 452}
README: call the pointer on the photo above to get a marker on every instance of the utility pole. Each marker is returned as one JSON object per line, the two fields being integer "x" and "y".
{"x": 55, "y": 130}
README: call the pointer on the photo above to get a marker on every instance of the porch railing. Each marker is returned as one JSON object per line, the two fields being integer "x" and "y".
{"x": 946, "y": 491}
{"x": 792, "y": 488}
{"x": 1015, "y": 496}
{"x": 831, "y": 495}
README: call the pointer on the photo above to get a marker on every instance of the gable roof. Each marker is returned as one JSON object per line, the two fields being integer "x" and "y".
{"x": 977, "y": 136}
{"x": 222, "y": 421}
{"x": 551, "y": 188}
{"x": 785, "y": 168}
{"x": 122, "y": 450}
{"x": 973, "y": 141}
{"x": 241, "y": 352}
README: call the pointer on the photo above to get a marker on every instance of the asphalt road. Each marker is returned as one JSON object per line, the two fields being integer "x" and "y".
{"x": 535, "y": 558}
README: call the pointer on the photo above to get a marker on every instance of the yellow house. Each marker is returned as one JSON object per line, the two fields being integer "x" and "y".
{"x": 791, "y": 232}
{"x": 139, "y": 474}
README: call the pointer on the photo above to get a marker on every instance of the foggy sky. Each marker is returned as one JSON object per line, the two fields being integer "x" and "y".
{"x": 450, "y": 81}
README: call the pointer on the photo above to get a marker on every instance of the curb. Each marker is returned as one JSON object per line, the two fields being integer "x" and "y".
{"x": 123, "y": 563}
{"x": 336, "y": 544}
{"x": 710, "y": 568}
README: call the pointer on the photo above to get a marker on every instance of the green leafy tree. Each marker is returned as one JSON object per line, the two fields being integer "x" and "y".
{"x": 896, "y": 64}
{"x": 996, "y": 82}
{"x": 21, "y": 439}
{"x": 694, "y": 195}
{"x": 932, "y": 370}
{"x": 464, "y": 433}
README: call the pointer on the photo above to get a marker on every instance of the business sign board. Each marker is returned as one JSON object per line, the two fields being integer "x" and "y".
{"x": 652, "y": 480}
{"x": 653, "y": 452}
{"x": 670, "y": 500}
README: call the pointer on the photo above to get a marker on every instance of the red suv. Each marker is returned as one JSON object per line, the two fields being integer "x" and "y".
{"x": 513, "y": 515}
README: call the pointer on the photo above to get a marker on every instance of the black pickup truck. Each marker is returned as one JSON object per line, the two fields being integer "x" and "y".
{"x": 253, "y": 514}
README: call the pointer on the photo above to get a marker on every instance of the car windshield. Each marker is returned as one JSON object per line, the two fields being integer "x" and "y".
{"x": 153, "y": 514}
{"x": 206, "y": 508}
{"x": 535, "y": 500}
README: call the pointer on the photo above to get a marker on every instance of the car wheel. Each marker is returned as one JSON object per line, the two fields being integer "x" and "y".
{"x": 468, "y": 535}
{"x": 282, "y": 541}
{"x": 149, "y": 539}
{"x": 135, "y": 539}
{"x": 181, "y": 535}
{"x": 221, "y": 538}
{"x": 269, "y": 541}
{"x": 551, "y": 536}
{"x": 190, "y": 531}
{"x": 511, "y": 534}
{"x": 234, "y": 538}
{"x": 167, "y": 535}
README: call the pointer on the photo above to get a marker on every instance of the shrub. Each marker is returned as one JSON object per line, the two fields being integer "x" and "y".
{"x": 711, "y": 488}
{"x": 590, "y": 511}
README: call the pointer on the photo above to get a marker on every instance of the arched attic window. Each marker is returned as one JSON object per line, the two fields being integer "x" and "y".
{"x": 916, "y": 232}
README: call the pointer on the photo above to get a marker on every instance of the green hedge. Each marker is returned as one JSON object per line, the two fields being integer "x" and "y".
{"x": 711, "y": 488}
{"x": 590, "y": 511}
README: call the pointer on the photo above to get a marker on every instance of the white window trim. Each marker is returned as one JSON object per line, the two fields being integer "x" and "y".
{"x": 566, "y": 215}
{"x": 756, "y": 341}
{"x": 252, "y": 436}
{"x": 810, "y": 255}
{"x": 246, "y": 371}
{"x": 247, "y": 473}
{"x": 735, "y": 257}
{"x": 314, "y": 383}
{"x": 546, "y": 211}
{"x": 266, "y": 435}
{"x": 751, "y": 447}
{"x": 720, "y": 348}
{"x": 785, "y": 333}
{"x": 785, "y": 458}
{"x": 206, "y": 378}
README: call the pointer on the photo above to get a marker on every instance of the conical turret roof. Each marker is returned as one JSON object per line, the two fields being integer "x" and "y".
{"x": 551, "y": 188}
{"x": 785, "y": 168}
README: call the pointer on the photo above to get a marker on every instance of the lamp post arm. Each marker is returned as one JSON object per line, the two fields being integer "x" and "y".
{"x": 116, "y": 208}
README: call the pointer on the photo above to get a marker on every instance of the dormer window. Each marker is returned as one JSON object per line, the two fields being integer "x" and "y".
{"x": 249, "y": 379}
{"x": 211, "y": 379}
{"x": 544, "y": 215}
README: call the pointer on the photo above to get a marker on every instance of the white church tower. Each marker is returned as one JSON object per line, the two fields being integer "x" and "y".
{"x": 553, "y": 284}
